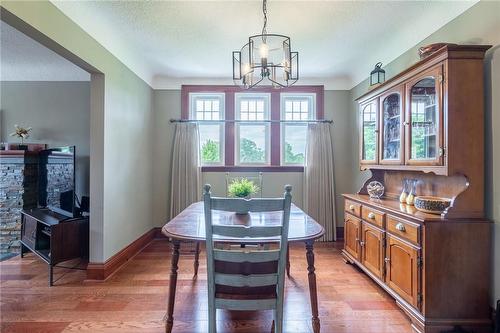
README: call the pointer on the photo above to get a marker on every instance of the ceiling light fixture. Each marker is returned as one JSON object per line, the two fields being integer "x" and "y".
{"x": 266, "y": 56}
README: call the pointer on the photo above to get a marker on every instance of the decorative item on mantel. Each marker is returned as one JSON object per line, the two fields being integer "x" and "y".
{"x": 375, "y": 189}
{"x": 377, "y": 76}
{"x": 22, "y": 133}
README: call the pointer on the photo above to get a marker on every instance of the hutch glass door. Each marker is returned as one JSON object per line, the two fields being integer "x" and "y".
{"x": 391, "y": 128}
{"x": 369, "y": 132}
{"x": 425, "y": 120}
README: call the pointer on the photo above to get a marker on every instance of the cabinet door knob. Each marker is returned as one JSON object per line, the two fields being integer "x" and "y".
{"x": 387, "y": 259}
{"x": 362, "y": 243}
{"x": 400, "y": 226}
{"x": 371, "y": 215}
{"x": 351, "y": 207}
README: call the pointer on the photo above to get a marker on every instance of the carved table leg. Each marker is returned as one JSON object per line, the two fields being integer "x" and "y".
{"x": 313, "y": 293}
{"x": 172, "y": 285}
{"x": 288, "y": 261}
{"x": 196, "y": 259}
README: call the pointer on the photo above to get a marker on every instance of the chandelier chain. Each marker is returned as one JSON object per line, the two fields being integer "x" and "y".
{"x": 264, "y": 27}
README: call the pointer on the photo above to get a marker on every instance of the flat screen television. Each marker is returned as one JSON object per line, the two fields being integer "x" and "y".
{"x": 56, "y": 180}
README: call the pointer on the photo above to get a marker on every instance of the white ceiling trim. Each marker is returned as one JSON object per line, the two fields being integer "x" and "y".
{"x": 173, "y": 83}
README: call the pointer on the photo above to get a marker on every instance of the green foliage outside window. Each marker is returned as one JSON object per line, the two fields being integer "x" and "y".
{"x": 292, "y": 158}
{"x": 210, "y": 151}
{"x": 250, "y": 153}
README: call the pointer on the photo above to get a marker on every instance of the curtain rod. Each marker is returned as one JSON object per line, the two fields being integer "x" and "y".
{"x": 251, "y": 121}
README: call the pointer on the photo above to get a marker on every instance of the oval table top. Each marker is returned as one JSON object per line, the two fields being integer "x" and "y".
{"x": 189, "y": 225}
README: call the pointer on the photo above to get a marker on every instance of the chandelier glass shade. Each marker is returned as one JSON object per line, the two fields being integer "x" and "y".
{"x": 266, "y": 57}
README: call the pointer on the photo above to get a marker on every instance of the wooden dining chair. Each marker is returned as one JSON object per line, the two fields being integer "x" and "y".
{"x": 246, "y": 279}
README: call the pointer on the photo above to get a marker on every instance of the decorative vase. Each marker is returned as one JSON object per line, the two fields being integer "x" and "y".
{"x": 404, "y": 191}
{"x": 413, "y": 192}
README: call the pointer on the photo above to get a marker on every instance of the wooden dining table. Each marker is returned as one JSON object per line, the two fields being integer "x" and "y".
{"x": 189, "y": 226}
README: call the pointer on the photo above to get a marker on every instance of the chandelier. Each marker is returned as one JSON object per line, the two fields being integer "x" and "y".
{"x": 266, "y": 57}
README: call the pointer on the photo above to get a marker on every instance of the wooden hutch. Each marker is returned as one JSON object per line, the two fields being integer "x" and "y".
{"x": 427, "y": 124}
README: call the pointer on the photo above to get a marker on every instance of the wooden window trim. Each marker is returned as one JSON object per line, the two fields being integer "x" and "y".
{"x": 229, "y": 140}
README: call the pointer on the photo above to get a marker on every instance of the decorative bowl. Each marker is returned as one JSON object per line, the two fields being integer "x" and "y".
{"x": 375, "y": 189}
{"x": 432, "y": 205}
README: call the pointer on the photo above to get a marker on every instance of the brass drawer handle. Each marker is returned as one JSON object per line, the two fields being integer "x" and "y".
{"x": 371, "y": 215}
{"x": 351, "y": 207}
{"x": 400, "y": 226}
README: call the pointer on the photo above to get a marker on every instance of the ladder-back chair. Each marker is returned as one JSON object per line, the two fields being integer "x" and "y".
{"x": 246, "y": 278}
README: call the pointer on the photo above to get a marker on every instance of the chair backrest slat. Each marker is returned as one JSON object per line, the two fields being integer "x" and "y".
{"x": 242, "y": 231}
{"x": 242, "y": 256}
{"x": 247, "y": 205}
{"x": 239, "y": 280}
{"x": 245, "y": 305}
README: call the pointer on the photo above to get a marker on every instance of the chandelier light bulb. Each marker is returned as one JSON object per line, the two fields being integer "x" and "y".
{"x": 264, "y": 51}
{"x": 245, "y": 69}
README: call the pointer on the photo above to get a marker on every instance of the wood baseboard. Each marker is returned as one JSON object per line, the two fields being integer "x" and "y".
{"x": 101, "y": 271}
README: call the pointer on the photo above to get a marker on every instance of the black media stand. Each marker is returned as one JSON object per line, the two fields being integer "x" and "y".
{"x": 54, "y": 237}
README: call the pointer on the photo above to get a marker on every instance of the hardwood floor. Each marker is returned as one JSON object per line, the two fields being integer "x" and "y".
{"x": 134, "y": 299}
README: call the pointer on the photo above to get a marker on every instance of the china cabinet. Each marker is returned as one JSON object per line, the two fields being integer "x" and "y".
{"x": 426, "y": 124}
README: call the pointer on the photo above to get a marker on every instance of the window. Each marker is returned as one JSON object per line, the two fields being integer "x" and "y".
{"x": 295, "y": 108}
{"x": 209, "y": 107}
{"x": 253, "y": 136}
{"x": 263, "y": 129}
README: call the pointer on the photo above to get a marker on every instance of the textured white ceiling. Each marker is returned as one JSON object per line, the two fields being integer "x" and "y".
{"x": 23, "y": 59}
{"x": 172, "y": 42}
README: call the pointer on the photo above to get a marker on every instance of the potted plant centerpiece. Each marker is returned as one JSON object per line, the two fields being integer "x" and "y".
{"x": 242, "y": 188}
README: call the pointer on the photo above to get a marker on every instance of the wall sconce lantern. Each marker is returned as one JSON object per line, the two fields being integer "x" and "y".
{"x": 377, "y": 76}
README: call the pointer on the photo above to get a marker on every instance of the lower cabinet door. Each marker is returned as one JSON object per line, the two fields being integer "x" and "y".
{"x": 29, "y": 231}
{"x": 372, "y": 249}
{"x": 352, "y": 231}
{"x": 402, "y": 269}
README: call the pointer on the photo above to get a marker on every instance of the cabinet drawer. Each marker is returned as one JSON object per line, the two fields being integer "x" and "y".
{"x": 353, "y": 207}
{"x": 373, "y": 216}
{"x": 405, "y": 229}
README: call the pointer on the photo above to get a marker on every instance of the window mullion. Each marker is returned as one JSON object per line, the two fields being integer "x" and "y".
{"x": 229, "y": 129}
{"x": 275, "y": 129}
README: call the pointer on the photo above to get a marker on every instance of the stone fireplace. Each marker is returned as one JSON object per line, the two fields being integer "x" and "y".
{"x": 18, "y": 190}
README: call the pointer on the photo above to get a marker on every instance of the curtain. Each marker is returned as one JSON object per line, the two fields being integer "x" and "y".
{"x": 186, "y": 172}
{"x": 319, "y": 185}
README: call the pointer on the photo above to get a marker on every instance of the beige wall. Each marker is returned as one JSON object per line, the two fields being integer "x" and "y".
{"x": 478, "y": 25}
{"x": 166, "y": 104}
{"x": 120, "y": 128}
